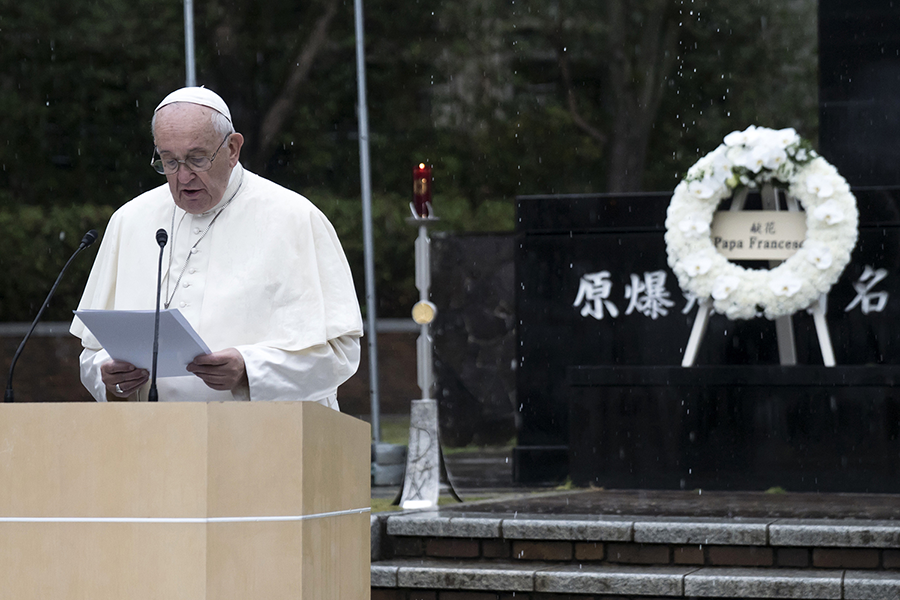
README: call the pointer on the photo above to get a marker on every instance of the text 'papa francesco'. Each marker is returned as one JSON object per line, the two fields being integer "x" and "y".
{"x": 755, "y": 243}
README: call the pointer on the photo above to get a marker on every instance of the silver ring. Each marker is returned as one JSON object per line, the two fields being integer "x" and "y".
{"x": 119, "y": 389}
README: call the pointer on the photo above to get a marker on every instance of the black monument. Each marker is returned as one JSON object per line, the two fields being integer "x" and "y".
{"x": 602, "y": 324}
{"x": 597, "y": 367}
{"x": 859, "y": 89}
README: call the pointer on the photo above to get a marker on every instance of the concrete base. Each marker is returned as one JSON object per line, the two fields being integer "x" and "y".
{"x": 388, "y": 464}
{"x": 423, "y": 475}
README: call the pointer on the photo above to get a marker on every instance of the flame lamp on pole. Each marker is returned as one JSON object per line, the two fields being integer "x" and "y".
{"x": 424, "y": 461}
{"x": 424, "y": 311}
{"x": 421, "y": 204}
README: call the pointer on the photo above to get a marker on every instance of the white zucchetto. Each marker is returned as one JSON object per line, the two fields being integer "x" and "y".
{"x": 197, "y": 95}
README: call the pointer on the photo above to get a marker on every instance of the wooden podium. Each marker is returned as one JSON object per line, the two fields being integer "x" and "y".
{"x": 190, "y": 501}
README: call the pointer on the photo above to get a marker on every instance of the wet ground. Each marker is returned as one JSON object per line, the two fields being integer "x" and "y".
{"x": 693, "y": 504}
{"x": 486, "y": 476}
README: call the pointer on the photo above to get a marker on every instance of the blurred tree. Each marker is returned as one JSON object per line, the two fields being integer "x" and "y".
{"x": 738, "y": 64}
{"x": 640, "y": 40}
{"x": 260, "y": 56}
{"x": 630, "y": 90}
{"x": 556, "y": 96}
{"x": 77, "y": 86}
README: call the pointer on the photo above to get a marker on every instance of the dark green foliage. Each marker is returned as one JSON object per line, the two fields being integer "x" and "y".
{"x": 78, "y": 84}
{"x": 37, "y": 243}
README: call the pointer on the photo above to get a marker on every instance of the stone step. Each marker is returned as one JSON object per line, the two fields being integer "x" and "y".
{"x": 586, "y": 544}
{"x": 824, "y": 533}
{"x": 408, "y": 578}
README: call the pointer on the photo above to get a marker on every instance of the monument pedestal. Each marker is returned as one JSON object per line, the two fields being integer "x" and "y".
{"x": 800, "y": 428}
{"x": 183, "y": 501}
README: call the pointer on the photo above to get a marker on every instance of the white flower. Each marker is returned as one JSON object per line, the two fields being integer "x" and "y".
{"x": 768, "y": 156}
{"x": 786, "y": 136}
{"x": 697, "y": 264}
{"x": 735, "y": 138}
{"x": 747, "y": 159}
{"x": 720, "y": 168}
{"x": 819, "y": 185}
{"x": 785, "y": 170}
{"x": 785, "y": 284}
{"x": 773, "y": 157}
{"x": 829, "y": 212}
{"x": 818, "y": 254}
{"x": 693, "y": 226}
{"x": 724, "y": 286}
{"x": 741, "y": 138}
{"x": 702, "y": 189}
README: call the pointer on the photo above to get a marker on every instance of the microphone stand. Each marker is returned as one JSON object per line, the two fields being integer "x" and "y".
{"x": 89, "y": 238}
{"x": 161, "y": 238}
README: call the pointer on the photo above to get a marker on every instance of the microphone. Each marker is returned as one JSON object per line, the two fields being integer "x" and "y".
{"x": 89, "y": 238}
{"x": 161, "y": 238}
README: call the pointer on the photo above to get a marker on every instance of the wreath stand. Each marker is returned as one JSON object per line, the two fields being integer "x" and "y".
{"x": 784, "y": 330}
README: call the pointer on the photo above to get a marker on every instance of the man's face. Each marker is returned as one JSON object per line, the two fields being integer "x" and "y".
{"x": 184, "y": 130}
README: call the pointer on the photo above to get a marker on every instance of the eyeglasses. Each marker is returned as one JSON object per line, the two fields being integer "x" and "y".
{"x": 197, "y": 164}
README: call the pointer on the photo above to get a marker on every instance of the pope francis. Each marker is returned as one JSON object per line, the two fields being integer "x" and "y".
{"x": 256, "y": 269}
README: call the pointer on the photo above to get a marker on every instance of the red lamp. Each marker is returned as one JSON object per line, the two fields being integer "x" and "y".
{"x": 422, "y": 191}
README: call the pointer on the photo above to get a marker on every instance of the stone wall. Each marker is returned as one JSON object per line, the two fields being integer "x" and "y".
{"x": 47, "y": 370}
{"x": 474, "y": 337}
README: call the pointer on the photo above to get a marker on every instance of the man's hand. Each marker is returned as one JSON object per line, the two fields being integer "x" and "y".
{"x": 223, "y": 370}
{"x": 125, "y": 375}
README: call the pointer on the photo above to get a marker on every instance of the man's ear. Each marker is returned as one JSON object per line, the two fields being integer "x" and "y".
{"x": 235, "y": 142}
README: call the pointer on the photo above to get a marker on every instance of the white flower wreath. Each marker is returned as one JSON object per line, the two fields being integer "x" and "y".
{"x": 750, "y": 159}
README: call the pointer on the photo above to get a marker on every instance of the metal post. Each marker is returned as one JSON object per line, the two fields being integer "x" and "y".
{"x": 784, "y": 326}
{"x": 366, "y": 180}
{"x": 422, "y": 481}
{"x": 190, "y": 68}
{"x": 425, "y": 368}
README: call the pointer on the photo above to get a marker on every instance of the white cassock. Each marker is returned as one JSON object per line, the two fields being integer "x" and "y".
{"x": 268, "y": 277}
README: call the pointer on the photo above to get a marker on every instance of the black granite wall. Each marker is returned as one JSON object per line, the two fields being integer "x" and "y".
{"x": 474, "y": 337}
{"x": 577, "y": 257}
{"x": 859, "y": 89}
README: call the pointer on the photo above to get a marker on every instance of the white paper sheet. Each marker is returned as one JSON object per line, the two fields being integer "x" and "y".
{"x": 128, "y": 335}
